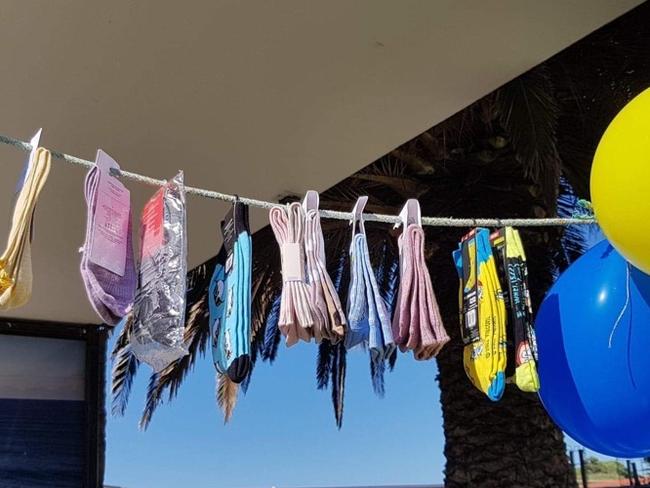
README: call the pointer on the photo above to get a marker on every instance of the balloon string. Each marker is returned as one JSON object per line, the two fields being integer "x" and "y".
{"x": 627, "y": 303}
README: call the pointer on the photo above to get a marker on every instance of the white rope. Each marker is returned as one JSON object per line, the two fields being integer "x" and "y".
{"x": 327, "y": 214}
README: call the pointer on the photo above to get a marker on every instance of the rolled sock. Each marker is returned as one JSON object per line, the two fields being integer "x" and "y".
{"x": 296, "y": 310}
{"x": 368, "y": 317}
{"x": 110, "y": 294}
{"x": 381, "y": 342}
{"x": 417, "y": 323}
{"x": 358, "y": 304}
{"x": 16, "y": 261}
{"x": 329, "y": 318}
{"x": 404, "y": 307}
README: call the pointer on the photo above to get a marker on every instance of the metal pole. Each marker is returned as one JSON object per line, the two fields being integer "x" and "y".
{"x": 583, "y": 470}
{"x": 637, "y": 482}
{"x": 572, "y": 461}
{"x": 629, "y": 472}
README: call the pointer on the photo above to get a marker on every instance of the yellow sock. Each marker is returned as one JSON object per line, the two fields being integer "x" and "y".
{"x": 526, "y": 377}
{"x": 497, "y": 323}
{"x": 483, "y": 318}
{"x": 16, "y": 261}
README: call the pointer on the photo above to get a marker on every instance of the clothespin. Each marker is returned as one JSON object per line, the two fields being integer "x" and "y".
{"x": 34, "y": 142}
{"x": 357, "y": 215}
{"x": 311, "y": 201}
{"x": 410, "y": 214}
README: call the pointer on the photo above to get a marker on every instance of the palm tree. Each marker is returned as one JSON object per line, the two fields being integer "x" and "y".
{"x": 504, "y": 156}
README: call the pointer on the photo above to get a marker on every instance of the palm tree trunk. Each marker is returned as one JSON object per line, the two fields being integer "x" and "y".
{"x": 511, "y": 443}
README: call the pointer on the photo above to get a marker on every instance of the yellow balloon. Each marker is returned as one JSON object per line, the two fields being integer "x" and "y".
{"x": 620, "y": 182}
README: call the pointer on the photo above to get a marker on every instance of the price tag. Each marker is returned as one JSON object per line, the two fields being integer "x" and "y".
{"x": 111, "y": 220}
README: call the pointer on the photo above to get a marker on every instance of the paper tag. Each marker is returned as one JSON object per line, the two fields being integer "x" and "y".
{"x": 152, "y": 224}
{"x": 111, "y": 221}
{"x": 293, "y": 266}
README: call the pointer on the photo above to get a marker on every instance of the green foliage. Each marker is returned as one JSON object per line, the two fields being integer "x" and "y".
{"x": 604, "y": 470}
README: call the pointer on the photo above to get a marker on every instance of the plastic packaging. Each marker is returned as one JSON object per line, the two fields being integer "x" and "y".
{"x": 159, "y": 308}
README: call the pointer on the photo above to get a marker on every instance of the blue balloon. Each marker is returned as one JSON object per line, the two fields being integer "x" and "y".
{"x": 594, "y": 353}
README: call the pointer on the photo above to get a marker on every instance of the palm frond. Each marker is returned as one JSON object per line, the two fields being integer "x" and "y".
{"x": 377, "y": 377}
{"x": 125, "y": 366}
{"x": 385, "y": 259}
{"x": 196, "y": 336}
{"x": 529, "y": 113}
{"x": 226, "y": 396}
{"x": 323, "y": 365}
{"x": 272, "y": 334}
{"x": 595, "y": 79}
{"x": 575, "y": 238}
{"x": 267, "y": 285}
{"x": 153, "y": 400}
{"x": 338, "y": 374}
{"x": 392, "y": 360}
{"x": 247, "y": 380}
{"x": 405, "y": 187}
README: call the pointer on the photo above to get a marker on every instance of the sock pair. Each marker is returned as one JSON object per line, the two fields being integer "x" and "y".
{"x": 159, "y": 308}
{"x": 230, "y": 297}
{"x": 483, "y": 320}
{"x": 512, "y": 265}
{"x": 16, "y": 260}
{"x": 107, "y": 261}
{"x": 368, "y": 318}
{"x": 329, "y": 318}
{"x": 296, "y": 310}
{"x": 417, "y": 324}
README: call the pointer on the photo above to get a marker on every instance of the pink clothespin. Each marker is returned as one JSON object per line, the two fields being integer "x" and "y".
{"x": 410, "y": 214}
{"x": 311, "y": 201}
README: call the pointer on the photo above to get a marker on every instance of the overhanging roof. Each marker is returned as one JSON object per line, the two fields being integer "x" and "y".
{"x": 256, "y": 98}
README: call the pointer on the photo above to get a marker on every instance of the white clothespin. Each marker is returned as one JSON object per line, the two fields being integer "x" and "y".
{"x": 311, "y": 201}
{"x": 357, "y": 215}
{"x": 35, "y": 141}
{"x": 410, "y": 214}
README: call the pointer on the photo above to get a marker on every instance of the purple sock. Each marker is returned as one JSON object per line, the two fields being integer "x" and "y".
{"x": 110, "y": 294}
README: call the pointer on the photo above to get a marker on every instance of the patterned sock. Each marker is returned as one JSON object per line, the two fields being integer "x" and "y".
{"x": 230, "y": 297}
{"x": 512, "y": 263}
{"x": 482, "y": 314}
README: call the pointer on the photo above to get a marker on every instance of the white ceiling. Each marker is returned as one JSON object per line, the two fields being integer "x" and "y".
{"x": 251, "y": 97}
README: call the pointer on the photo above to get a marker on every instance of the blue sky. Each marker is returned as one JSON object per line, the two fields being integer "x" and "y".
{"x": 283, "y": 432}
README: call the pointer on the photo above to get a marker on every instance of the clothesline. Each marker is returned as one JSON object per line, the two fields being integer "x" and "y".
{"x": 327, "y": 214}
